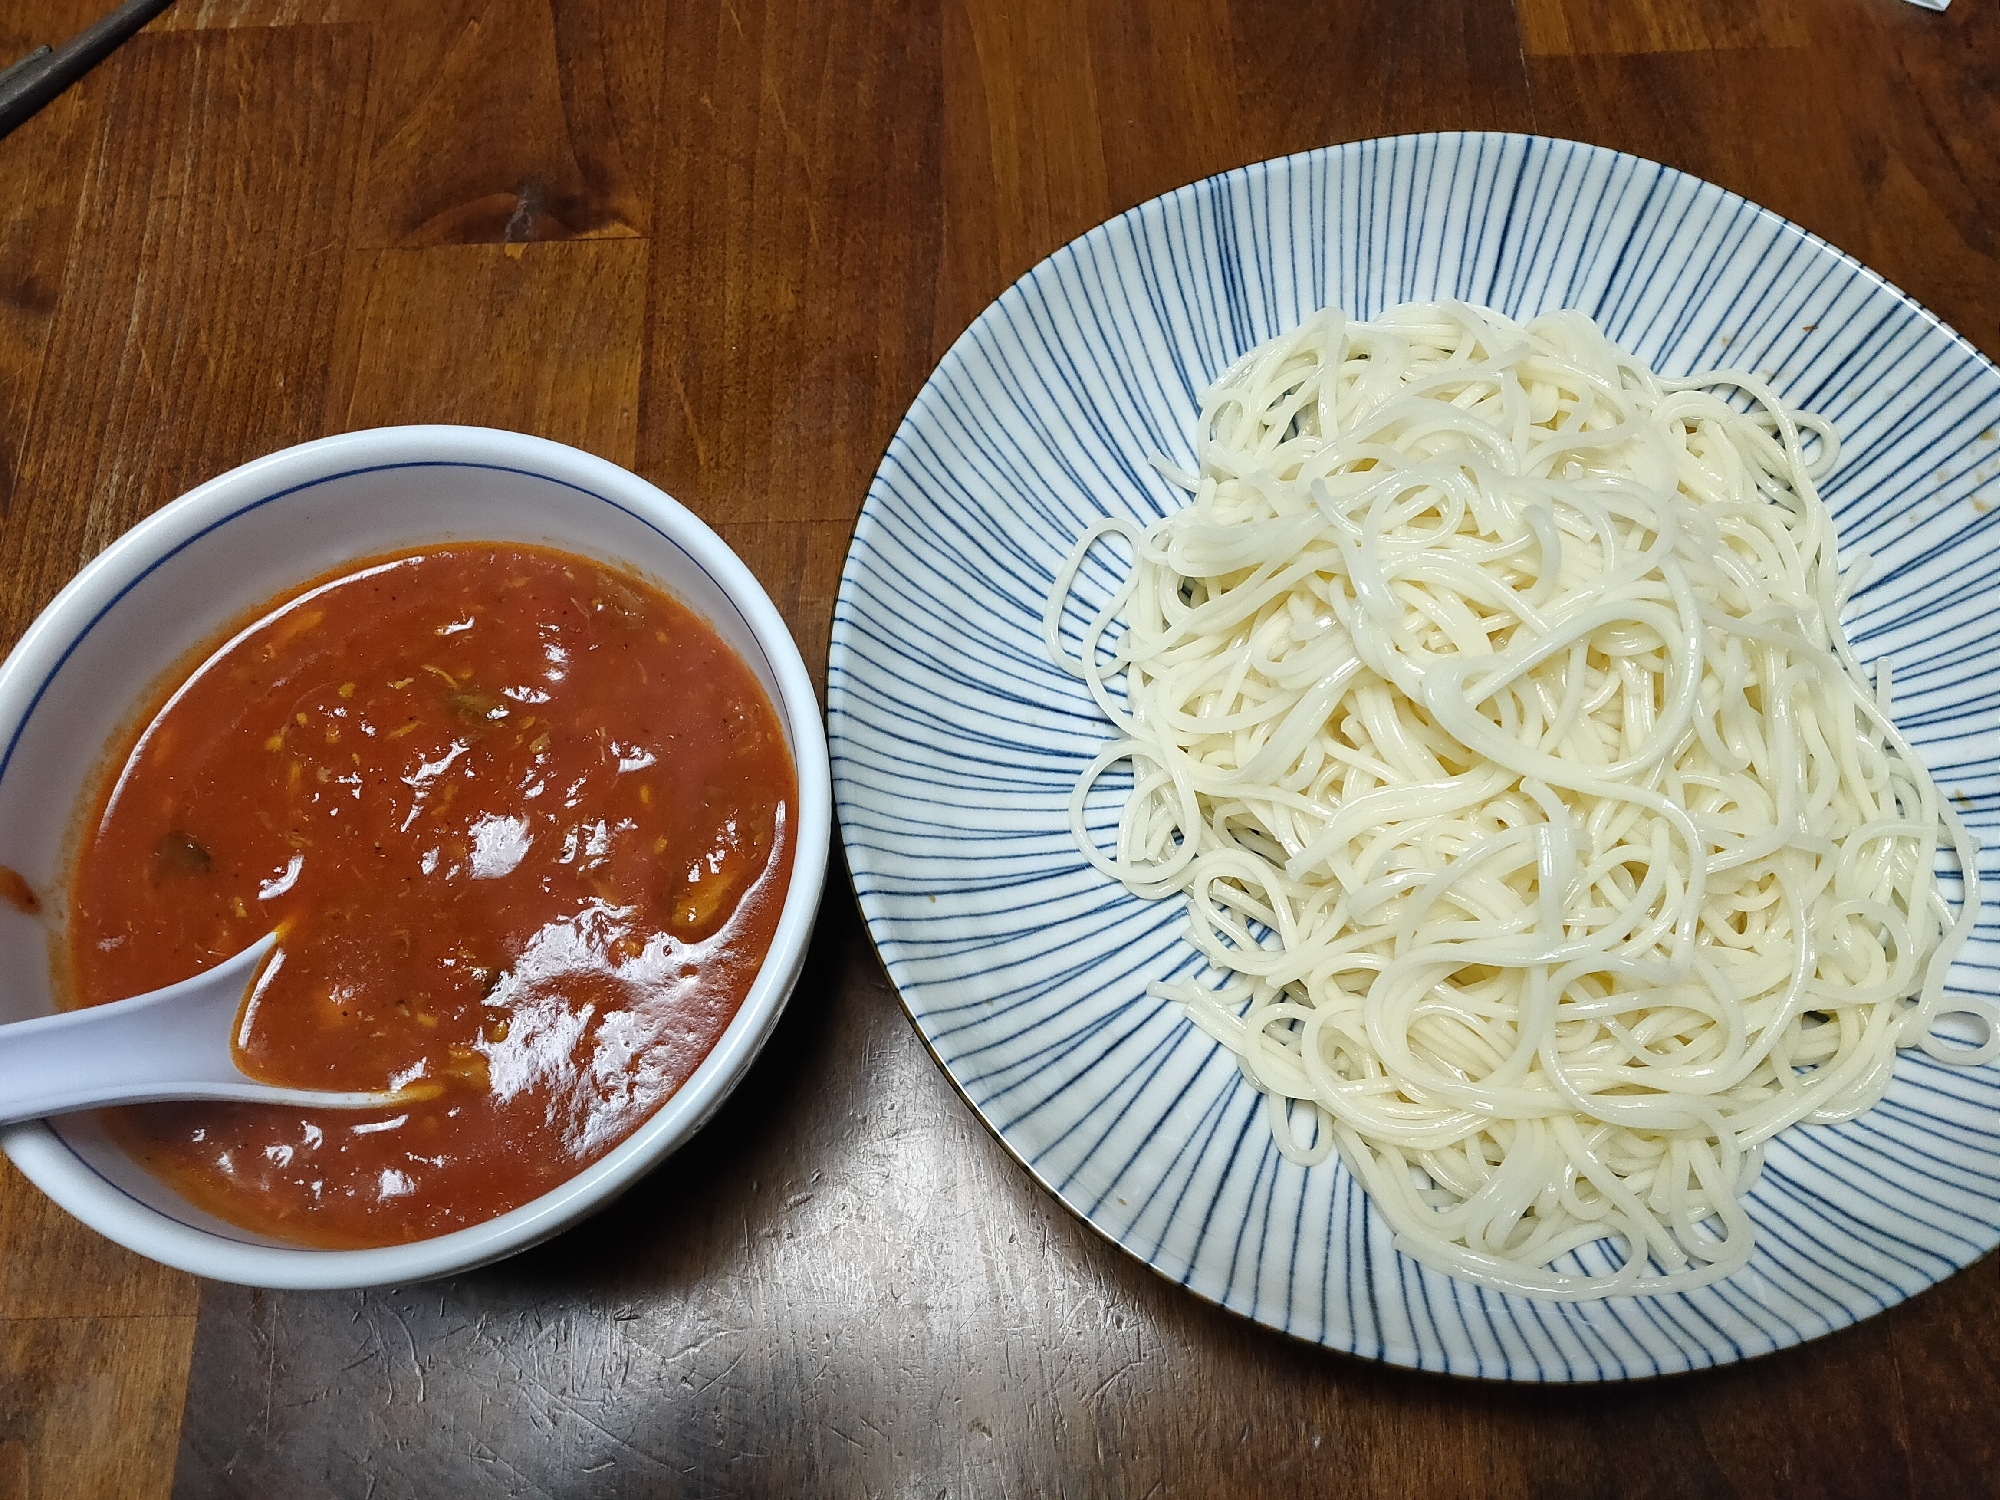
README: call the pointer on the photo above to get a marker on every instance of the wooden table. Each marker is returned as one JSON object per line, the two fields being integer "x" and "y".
{"x": 723, "y": 242}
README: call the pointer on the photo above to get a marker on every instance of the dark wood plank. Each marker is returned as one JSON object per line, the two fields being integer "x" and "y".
{"x": 1944, "y": 88}
{"x": 799, "y": 565}
{"x": 1884, "y": 104}
{"x": 1168, "y": 110}
{"x": 542, "y": 338}
{"x": 1375, "y": 70}
{"x": 1578, "y": 27}
{"x": 41, "y": 179}
{"x": 494, "y": 121}
{"x": 1024, "y": 168}
{"x": 219, "y": 15}
{"x": 789, "y": 321}
{"x": 53, "y": 1267}
{"x": 42, "y": 173}
{"x": 91, "y": 1405}
{"x": 44, "y": 23}
{"x": 196, "y": 309}
{"x": 509, "y": 120}
{"x": 94, "y": 1351}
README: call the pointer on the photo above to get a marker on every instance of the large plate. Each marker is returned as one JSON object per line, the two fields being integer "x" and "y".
{"x": 956, "y": 743}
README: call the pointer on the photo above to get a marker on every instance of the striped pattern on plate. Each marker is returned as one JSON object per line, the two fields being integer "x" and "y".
{"x": 956, "y": 743}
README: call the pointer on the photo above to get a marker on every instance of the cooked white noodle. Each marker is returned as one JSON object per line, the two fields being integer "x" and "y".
{"x": 1489, "y": 707}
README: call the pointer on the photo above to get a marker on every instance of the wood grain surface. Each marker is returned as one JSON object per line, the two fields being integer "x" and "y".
{"x": 724, "y": 242}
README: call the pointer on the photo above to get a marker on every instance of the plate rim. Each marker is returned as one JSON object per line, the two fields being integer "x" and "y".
{"x": 1795, "y": 1331}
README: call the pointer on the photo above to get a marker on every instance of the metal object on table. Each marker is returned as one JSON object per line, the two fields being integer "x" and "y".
{"x": 47, "y": 71}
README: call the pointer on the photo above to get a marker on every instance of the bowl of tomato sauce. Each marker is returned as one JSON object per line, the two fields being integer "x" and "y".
{"x": 524, "y": 769}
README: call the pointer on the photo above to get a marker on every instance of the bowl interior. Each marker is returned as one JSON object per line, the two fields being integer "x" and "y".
{"x": 76, "y": 679}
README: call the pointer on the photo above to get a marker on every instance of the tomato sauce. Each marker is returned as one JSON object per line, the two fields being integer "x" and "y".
{"x": 523, "y": 825}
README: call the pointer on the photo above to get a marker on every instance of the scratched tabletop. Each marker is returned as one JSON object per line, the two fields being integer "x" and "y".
{"x": 723, "y": 242}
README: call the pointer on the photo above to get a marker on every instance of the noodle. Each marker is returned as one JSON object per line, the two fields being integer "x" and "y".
{"x": 1489, "y": 708}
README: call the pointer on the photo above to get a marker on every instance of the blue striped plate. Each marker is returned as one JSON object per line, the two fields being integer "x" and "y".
{"x": 955, "y": 743}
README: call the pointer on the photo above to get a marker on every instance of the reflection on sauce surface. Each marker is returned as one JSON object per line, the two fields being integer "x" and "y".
{"x": 524, "y": 825}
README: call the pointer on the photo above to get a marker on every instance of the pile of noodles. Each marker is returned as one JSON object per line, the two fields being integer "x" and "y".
{"x": 1489, "y": 707}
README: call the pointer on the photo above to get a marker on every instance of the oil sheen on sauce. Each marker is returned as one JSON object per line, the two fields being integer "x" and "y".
{"x": 523, "y": 825}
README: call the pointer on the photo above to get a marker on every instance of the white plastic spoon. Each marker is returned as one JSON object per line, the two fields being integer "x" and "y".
{"x": 167, "y": 1044}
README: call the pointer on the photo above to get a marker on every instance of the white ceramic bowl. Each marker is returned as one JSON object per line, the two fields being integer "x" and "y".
{"x": 221, "y": 550}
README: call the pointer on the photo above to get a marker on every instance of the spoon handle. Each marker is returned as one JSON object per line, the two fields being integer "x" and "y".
{"x": 171, "y": 1043}
{"x": 47, "y": 71}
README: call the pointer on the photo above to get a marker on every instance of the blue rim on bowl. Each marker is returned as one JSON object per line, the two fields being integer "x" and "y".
{"x": 226, "y": 547}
